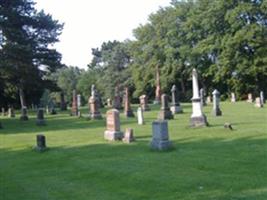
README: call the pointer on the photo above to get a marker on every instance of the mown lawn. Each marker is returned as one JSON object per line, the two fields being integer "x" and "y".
{"x": 209, "y": 163}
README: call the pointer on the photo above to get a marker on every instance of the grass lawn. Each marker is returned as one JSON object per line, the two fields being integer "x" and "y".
{"x": 209, "y": 163}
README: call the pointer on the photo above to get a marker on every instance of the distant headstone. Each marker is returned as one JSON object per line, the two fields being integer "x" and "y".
{"x": 140, "y": 116}
{"x": 51, "y": 108}
{"x": 175, "y": 105}
{"x": 258, "y": 102}
{"x": 127, "y": 105}
{"x": 93, "y": 107}
{"x": 197, "y": 118}
{"x": 74, "y": 109}
{"x": 262, "y": 97}
{"x": 202, "y": 97}
{"x": 250, "y": 98}
{"x": 158, "y": 90}
{"x": 109, "y": 103}
{"x": 3, "y": 112}
{"x": 128, "y": 136}
{"x": 79, "y": 101}
{"x": 113, "y": 131}
{"x": 233, "y": 99}
{"x": 40, "y": 121}
{"x": 41, "y": 143}
{"x": 165, "y": 112}
{"x": 63, "y": 105}
{"x": 24, "y": 116}
{"x": 117, "y": 99}
{"x": 216, "y": 103}
{"x": 144, "y": 102}
{"x": 209, "y": 99}
{"x": 160, "y": 136}
{"x": 11, "y": 113}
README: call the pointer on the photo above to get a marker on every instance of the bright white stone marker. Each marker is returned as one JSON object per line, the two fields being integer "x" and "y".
{"x": 216, "y": 103}
{"x": 197, "y": 117}
{"x": 140, "y": 116}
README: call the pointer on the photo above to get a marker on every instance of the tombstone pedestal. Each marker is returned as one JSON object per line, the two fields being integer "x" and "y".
{"x": 176, "y": 109}
{"x": 217, "y": 112}
{"x": 113, "y": 126}
{"x": 41, "y": 144}
{"x": 198, "y": 121}
{"x": 94, "y": 112}
{"x": 113, "y": 135}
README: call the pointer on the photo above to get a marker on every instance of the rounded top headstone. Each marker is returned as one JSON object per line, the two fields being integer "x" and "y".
{"x": 173, "y": 88}
{"x": 215, "y": 92}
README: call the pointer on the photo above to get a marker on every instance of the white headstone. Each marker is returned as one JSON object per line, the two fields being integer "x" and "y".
{"x": 79, "y": 100}
{"x": 140, "y": 116}
{"x": 233, "y": 99}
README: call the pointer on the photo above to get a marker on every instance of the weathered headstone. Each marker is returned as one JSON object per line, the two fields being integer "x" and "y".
{"x": 160, "y": 136}
{"x": 79, "y": 103}
{"x": 128, "y": 136}
{"x": 63, "y": 105}
{"x": 24, "y": 116}
{"x": 117, "y": 99}
{"x": 109, "y": 103}
{"x": 3, "y": 112}
{"x": 209, "y": 99}
{"x": 93, "y": 106}
{"x": 140, "y": 116}
{"x": 41, "y": 143}
{"x": 216, "y": 103}
{"x": 197, "y": 118}
{"x": 233, "y": 99}
{"x": 250, "y": 99}
{"x": 127, "y": 105}
{"x": 202, "y": 97}
{"x": 258, "y": 102}
{"x": 158, "y": 90}
{"x": 175, "y": 105}
{"x": 40, "y": 121}
{"x": 113, "y": 131}
{"x": 165, "y": 112}
{"x": 262, "y": 97}
{"x": 11, "y": 112}
{"x": 144, "y": 102}
{"x": 74, "y": 109}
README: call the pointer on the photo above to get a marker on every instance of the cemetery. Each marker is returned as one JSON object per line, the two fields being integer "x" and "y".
{"x": 166, "y": 116}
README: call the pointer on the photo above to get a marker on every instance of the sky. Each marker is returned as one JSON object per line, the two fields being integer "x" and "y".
{"x": 89, "y": 23}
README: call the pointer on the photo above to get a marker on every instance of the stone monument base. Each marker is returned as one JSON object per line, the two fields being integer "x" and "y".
{"x": 217, "y": 112}
{"x": 176, "y": 109}
{"x": 160, "y": 144}
{"x": 96, "y": 115}
{"x": 165, "y": 114}
{"x": 40, "y": 122}
{"x": 113, "y": 135}
{"x": 24, "y": 118}
{"x": 199, "y": 121}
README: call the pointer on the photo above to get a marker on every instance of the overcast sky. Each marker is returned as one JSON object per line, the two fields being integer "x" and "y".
{"x": 88, "y": 23}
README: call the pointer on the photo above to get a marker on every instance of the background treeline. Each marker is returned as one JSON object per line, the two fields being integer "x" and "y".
{"x": 225, "y": 40}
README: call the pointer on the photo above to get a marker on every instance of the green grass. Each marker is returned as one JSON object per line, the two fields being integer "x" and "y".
{"x": 210, "y": 163}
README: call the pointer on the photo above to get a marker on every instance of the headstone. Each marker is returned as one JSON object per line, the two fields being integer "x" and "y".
{"x": 144, "y": 102}
{"x": 63, "y": 105}
{"x": 40, "y": 121}
{"x": 93, "y": 107}
{"x": 128, "y": 136}
{"x": 202, "y": 97}
{"x": 79, "y": 100}
{"x": 47, "y": 110}
{"x": 233, "y": 99}
{"x": 197, "y": 118}
{"x": 41, "y": 143}
{"x": 11, "y": 112}
{"x": 74, "y": 109}
{"x": 109, "y": 103}
{"x": 113, "y": 126}
{"x": 24, "y": 116}
{"x": 51, "y": 108}
{"x": 140, "y": 116}
{"x": 258, "y": 102}
{"x": 160, "y": 137}
{"x": 158, "y": 90}
{"x": 165, "y": 112}
{"x": 175, "y": 105}
{"x": 3, "y": 112}
{"x": 127, "y": 105}
{"x": 216, "y": 103}
{"x": 117, "y": 99}
{"x": 262, "y": 97}
{"x": 209, "y": 99}
{"x": 250, "y": 99}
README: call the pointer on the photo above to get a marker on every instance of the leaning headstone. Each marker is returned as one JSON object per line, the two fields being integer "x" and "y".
{"x": 127, "y": 105}
{"x": 208, "y": 99}
{"x": 140, "y": 116}
{"x": 144, "y": 102}
{"x": 197, "y": 118}
{"x": 250, "y": 99}
{"x": 63, "y": 105}
{"x": 3, "y": 112}
{"x": 74, "y": 109}
{"x": 160, "y": 137}
{"x": 216, "y": 103}
{"x": 175, "y": 105}
{"x": 93, "y": 107}
{"x": 40, "y": 121}
{"x": 113, "y": 131}
{"x": 202, "y": 97}
{"x": 233, "y": 99}
{"x": 165, "y": 112}
{"x": 158, "y": 90}
{"x": 262, "y": 97}
{"x": 24, "y": 116}
{"x": 41, "y": 143}
{"x": 258, "y": 102}
{"x": 128, "y": 136}
{"x": 11, "y": 113}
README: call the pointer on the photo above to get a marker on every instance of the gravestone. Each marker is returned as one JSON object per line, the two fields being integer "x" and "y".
{"x": 109, "y": 103}
{"x": 127, "y": 105}
{"x": 197, "y": 118}
{"x": 202, "y": 97}
{"x": 113, "y": 126}
{"x": 165, "y": 112}
{"x": 11, "y": 113}
{"x": 160, "y": 136}
{"x": 51, "y": 108}
{"x": 262, "y": 97}
{"x": 128, "y": 136}
{"x": 79, "y": 100}
{"x": 250, "y": 99}
{"x": 63, "y": 105}
{"x": 93, "y": 106}
{"x": 3, "y": 112}
{"x": 40, "y": 121}
{"x": 74, "y": 109}
{"x": 24, "y": 116}
{"x": 258, "y": 102}
{"x": 175, "y": 105}
{"x": 233, "y": 99}
{"x": 117, "y": 99}
{"x": 158, "y": 90}
{"x": 144, "y": 102}
{"x": 208, "y": 99}
{"x": 140, "y": 116}
{"x": 41, "y": 143}
{"x": 216, "y": 103}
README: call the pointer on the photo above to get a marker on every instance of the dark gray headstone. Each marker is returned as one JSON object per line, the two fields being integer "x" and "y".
{"x": 24, "y": 116}
{"x": 216, "y": 103}
{"x": 40, "y": 121}
{"x": 41, "y": 143}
